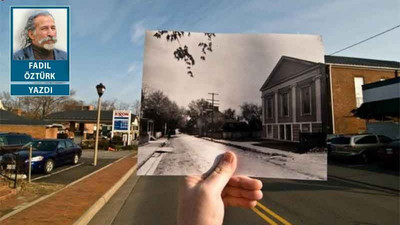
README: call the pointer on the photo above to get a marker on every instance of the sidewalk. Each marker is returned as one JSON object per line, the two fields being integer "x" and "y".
{"x": 358, "y": 175}
{"x": 145, "y": 151}
{"x": 289, "y": 160}
{"x": 70, "y": 204}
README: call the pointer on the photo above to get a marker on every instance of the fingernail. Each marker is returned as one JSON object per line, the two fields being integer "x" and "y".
{"x": 228, "y": 157}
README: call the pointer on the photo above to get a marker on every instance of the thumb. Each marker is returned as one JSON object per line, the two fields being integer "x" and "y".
{"x": 223, "y": 172}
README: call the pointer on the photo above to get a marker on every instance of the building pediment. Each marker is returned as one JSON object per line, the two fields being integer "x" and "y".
{"x": 285, "y": 68}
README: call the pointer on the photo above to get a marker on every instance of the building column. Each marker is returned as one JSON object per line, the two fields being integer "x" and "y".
{"x": 276, "y": 103}
{"x": 263, "y": 109}
{"x": 317, "y": 82}
{"x": 294, "y": 103}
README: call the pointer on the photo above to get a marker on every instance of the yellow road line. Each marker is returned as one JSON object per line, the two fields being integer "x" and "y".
{"x": 266, "y": 218}
{"x": 285, "y": 222}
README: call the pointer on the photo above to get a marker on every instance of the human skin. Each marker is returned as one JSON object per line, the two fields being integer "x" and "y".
{"x": 44, "y": 28}
{"x": 202, "y": 200}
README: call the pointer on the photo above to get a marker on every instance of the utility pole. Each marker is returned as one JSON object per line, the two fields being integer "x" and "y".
{"x": 213, "y": 102}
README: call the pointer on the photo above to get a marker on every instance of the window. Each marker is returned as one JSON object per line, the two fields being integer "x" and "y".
{"x": 358, "y": 82}
{"x": 269, "y": 108}
{"x": 282, "y": 132}
{"x": 305, "y": 100}
{"x": 367, "y": 140}
{"x": 285, "y": 104}
{"x": 288, "y": 132}
{"x": 61, "y": 145}
{"x": 305, "y": 128}
{"x": 14, "y": 140}
{"x": 341, "y": 141}
{"x": 384, "y": 139}
{"x": 69, "y": 144}
{"x": 269, "y": 130}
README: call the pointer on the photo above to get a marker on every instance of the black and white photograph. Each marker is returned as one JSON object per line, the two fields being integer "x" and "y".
{"x": 260, "y": 96}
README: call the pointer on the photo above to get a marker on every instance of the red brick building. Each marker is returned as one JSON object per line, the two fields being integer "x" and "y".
{"x": 303, "y": 96}
{"x": 347, "y": 75}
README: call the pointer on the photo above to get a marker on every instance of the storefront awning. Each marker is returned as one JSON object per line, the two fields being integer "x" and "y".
{"x": 379, "y": 110}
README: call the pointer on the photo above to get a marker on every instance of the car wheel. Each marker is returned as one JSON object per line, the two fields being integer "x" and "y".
{"x": 48, "y": 166}
{"x": 365, "y": 158}
{"x": 75, "y": 160}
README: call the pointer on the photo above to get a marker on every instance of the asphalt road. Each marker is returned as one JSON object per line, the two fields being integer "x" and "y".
{"x": 353, "y": 195}
{"x": 66, "y": 174}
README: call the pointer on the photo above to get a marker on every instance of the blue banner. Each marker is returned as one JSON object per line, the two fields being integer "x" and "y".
{"x": 121, "y": 124}
{"x": 39, "y": 89}
{"x": 39, "y": 70}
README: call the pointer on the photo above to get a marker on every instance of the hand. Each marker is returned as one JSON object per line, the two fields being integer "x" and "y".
{"x": 202, "y": 199}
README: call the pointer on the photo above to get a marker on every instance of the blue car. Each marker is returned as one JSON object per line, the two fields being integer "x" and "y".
{"x": 46, "y": 154}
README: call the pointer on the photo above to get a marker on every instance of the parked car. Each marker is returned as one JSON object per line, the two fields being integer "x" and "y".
{"x": 390, "y": 154}
{"x": 46, "y": 154}
{"x": 12, "y": 142}
{"x": 363, "y": 147}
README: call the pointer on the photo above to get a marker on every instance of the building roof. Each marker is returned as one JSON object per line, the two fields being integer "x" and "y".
{"x": 9, "y": 118}
{"x": 83, "y": 116}
{"x": 361, "y": 62}
{"x": 381, "y": 83}
{"x": 287, "y": 68}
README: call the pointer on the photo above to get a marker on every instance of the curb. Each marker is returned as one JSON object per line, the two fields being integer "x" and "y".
{"x": 244, "y": 148}
{"x": 236, "y": 146}
{"x": 96, "y": 207}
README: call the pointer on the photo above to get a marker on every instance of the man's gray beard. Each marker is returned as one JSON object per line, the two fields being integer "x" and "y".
{"x": 48, "y": 46}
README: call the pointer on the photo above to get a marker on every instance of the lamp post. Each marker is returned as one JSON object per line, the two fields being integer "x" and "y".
{"x": 100, "y": 90}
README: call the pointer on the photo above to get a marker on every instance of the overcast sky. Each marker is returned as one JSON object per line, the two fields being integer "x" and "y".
{"x": 236, "y": 69}
{"x": 107, "y": 37}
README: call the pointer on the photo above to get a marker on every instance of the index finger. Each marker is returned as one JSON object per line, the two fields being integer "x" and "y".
{"x": 245, "y": 183}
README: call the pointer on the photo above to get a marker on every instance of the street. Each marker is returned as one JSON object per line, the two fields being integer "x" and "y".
{"x": 353, "y": 194}
{"x": 184, "y": 154}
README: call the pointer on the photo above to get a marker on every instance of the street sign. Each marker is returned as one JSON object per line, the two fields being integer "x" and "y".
{"x": 121, "y": 121}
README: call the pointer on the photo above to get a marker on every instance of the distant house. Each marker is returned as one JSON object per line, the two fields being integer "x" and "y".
{"x": 304, "y": 96}
{"x": 83, "y": 122}
{"x": 11, "y": 122}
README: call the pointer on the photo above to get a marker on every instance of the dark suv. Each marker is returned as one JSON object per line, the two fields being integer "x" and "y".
{"x": 11, "y": 142}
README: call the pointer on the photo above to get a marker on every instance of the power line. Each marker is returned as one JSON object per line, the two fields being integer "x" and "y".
{"x": 376, "y": 35}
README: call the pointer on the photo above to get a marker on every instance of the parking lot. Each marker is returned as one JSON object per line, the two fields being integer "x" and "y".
{"x": 69, "y": 173}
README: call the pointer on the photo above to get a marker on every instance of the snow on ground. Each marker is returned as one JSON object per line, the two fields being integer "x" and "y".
{"x": 314, "y": 164}
{"x": 195, "y": 156}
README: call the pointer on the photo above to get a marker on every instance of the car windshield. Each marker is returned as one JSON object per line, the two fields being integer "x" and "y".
{"x": 341, "y": 140}
{"x": 43, "y": 145}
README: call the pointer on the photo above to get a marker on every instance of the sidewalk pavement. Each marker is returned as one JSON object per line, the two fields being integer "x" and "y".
{"x": 248, "y": 145}
{"x": 147, "y": 150}
{"x": 78, "y": 202}
{"x": 336, "y": 172}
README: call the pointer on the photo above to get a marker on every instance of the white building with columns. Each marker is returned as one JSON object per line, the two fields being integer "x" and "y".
{"x": 295, "y": 99}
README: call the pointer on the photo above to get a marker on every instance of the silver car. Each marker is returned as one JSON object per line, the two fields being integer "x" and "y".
{"x": 363, "y": 147}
